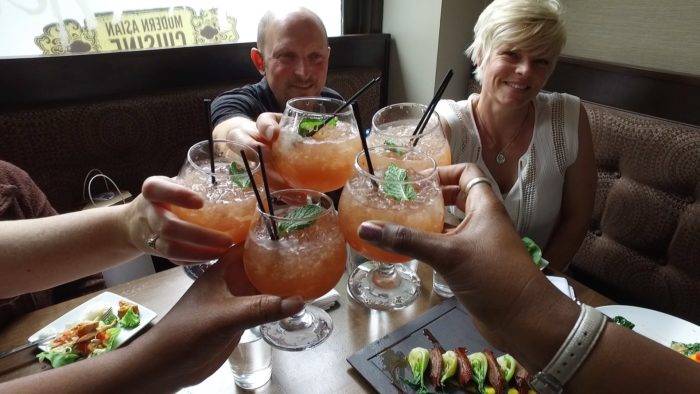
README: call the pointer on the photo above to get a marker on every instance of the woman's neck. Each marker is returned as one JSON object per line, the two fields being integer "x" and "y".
{"x": 499, "y": 122}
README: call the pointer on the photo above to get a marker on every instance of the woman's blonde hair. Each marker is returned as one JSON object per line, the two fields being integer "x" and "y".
{"x": 528, "y": 25}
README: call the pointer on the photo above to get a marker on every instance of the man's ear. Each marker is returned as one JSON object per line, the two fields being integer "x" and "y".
{"x": 258, "y": 61}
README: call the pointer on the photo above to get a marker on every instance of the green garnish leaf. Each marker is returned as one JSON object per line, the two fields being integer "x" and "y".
{"x": 394, "y": 184}
{"x": 58, "y": 358}
{"x": 309, "y": 126}
{"x": 130, "y": 319}
{"x": 394, "y": 147}
{"x": 112, "y": 335}
{"x": 239, "y": 176}
{"x": 298, "y": 218}
{"x": 623, "y": 322}
{"x": 686, "y": 349}
{"x": 535, "y": 252}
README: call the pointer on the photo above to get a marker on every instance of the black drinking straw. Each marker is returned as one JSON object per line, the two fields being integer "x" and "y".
{"x": 431, "y": 107}
{"x": 270, "y": 208}
{"x": 349, "y": 101}
{"x": 207, "y": 112}
{"x": 370, "y": 168}
{"x": 257, "y": 194}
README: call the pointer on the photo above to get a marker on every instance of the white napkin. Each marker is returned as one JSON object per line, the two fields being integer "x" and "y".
{"x": 327, "y": 301}
{"x": 563, "y": 285}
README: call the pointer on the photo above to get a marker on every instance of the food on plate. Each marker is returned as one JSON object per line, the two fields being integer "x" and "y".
{"x": 507, "y": 364}
{"x": 449, "y": 362}
{"x": 494, "y": 372}
{"x": 479, "y": 368}
{"x": 465, "y": 367}
{"x": 479, "y": 372}
{"x": 128, "y": 314}
{"x": 690, "y": 350}
{"x": 435, "y": 366}
{"x": 623, "y": 322}
{"x": 418, "y": 359}
{"x": 91, "y": 337}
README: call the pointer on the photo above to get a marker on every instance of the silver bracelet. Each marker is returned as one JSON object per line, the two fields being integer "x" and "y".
{"x": 474, "y": 182}
{"x": 572, "y": 353}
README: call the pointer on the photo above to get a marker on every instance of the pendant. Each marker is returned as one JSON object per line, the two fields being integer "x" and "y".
{"x": 500, "y": 158}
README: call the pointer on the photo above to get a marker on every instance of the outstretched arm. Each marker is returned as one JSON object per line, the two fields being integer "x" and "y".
{"x": 37, "y": 254}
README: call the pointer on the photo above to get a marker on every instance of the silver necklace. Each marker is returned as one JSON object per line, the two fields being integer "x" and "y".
{"x": 501, "y": 155}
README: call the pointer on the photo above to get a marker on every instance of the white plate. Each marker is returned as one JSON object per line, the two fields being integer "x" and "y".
{"x": 657, "y": 326}
{"x": 78, "y": 313}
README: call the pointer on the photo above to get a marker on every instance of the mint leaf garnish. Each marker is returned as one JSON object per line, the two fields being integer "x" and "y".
{"x": 309, "y": 126}
{"x": 534, "y": 250}
{"x": 394, "y": 147}
{"x": 299, "y": 218}
{"x": 239, "y": 176}
{"x": 394, "y": 186}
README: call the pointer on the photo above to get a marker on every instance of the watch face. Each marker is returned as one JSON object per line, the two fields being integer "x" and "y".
{"x": 545, "y": 383}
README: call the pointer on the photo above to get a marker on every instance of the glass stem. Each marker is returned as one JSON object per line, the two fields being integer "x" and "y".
{"x": 385, "y": 276}
{"x": 298, "y": 321}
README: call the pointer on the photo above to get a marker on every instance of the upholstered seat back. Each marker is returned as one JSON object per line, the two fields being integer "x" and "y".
{"x": 643, "y": 247}
{"x": 127, "y": 138}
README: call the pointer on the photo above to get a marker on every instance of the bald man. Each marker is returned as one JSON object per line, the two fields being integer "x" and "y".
{"x": 292, "y": 57}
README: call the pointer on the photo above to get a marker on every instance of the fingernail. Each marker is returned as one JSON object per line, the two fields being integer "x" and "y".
{"x": 370, "y": 231}
{"x": 292, "y": 305}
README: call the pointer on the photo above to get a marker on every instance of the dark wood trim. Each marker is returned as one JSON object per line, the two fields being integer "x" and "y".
{"x": 657, "y": 93}
{"x": 33, "y": 81}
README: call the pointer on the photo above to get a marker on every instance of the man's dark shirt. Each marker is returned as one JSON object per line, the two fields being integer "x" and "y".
{"x": 250, "y": 101}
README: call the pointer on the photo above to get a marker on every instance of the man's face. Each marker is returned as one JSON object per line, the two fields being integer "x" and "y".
{"x": 296, "y": 58}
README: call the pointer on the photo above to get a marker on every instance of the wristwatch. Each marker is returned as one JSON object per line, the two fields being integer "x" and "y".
{"x": 572, "y": 353}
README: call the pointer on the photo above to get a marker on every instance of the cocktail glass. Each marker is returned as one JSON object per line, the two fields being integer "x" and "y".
{"x": 229, "y": 200}
{"x": 381, "y": 283}
{"x": 307, "y": 259}
{"x": 319, "y": 160}
{"x": 394, "y": 126}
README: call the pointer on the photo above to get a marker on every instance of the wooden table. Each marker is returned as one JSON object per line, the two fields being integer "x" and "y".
{"x": 319, "y": 370}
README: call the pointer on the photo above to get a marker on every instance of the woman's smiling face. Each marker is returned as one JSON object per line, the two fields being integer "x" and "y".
{"x": 514, "y": 77}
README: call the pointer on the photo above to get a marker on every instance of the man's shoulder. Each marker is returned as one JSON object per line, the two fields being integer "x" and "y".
{"x": 249, "y": 90}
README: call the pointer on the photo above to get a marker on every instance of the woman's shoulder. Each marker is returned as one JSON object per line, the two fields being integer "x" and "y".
{"x": 557, "y": 98}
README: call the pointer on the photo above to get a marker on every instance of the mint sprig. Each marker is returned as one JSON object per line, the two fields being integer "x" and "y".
{"x": 309, "y": 126}
{"x": 239, "y": 176}
{"x": 299, "y": 218}
{"x": 394, "y": 184}
{"x": 394, "y": 147}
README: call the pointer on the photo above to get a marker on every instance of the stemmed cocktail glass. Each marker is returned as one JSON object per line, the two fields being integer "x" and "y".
{"x": 404, "y": 190}
{"x": 395, "y": 125}
{"x": 229, "y": 201}
{"x": 307, "y": 258}
{"x": 313, "y": 157}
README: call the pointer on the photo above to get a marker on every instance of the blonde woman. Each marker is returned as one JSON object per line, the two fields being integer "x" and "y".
{"x": 535, "y": 147}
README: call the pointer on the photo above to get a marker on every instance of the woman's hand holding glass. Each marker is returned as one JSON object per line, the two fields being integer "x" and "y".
{"x": 149, "y": 215}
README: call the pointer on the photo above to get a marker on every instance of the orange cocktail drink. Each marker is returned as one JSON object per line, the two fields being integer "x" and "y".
{"x": 404, "y": 190}
{"x": 298, "y": 250}
{"x": 229, "y": 200}
{"x": 394, "y": 126}
{"x": 313, "y": 157}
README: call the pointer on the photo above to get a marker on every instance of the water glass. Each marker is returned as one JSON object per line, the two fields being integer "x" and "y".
{"x": 440, "y": 286}
{"x": 251, "y": 360}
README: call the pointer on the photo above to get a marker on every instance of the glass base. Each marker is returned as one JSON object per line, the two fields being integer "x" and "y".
{"x": 194, "y": 271}
{"x": 384, "y": 293}
{"x": 300, "y": 332}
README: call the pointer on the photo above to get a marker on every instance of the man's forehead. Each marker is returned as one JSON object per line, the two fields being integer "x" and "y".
{"x": 296, "y": 31}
